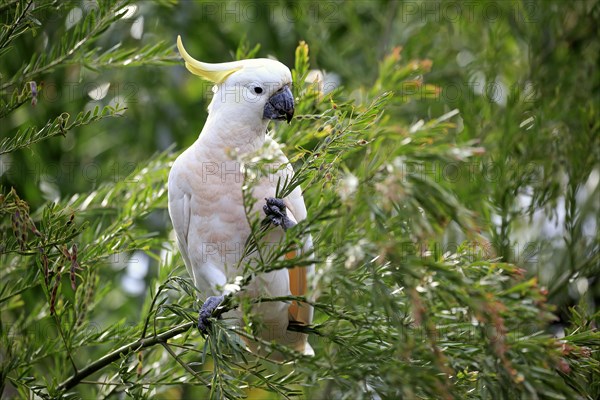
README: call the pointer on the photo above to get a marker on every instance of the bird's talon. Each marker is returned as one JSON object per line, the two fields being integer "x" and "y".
{"x": 275, "y": 211}
{"x": 206, "y": 312}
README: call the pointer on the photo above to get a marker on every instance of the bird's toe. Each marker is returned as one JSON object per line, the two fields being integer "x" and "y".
{"x": 206, "y": 311}
{"x": 275, "y": 210}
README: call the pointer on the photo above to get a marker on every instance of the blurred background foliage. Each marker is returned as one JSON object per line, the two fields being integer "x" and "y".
{"x": 450, "y": 160}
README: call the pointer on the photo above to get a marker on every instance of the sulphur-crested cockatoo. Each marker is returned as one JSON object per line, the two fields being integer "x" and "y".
{"x": 206, "y": 201}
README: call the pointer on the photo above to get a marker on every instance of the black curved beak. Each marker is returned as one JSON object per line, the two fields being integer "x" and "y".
{"x": 280, "y": 106}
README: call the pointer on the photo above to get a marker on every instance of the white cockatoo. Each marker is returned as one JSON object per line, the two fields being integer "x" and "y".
{"x": 206, "y": 202}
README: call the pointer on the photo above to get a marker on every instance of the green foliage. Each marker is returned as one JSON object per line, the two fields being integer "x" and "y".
{"x": 433, "y": 277}
{"x": 60, "y": 126}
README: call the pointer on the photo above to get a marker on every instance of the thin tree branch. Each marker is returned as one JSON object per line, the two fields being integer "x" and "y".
{"x": 62, "y": 58}
{"x": 65, "y": 341}
{"x": 125, "y": 350}
{"x": 8, "y": 36}
{"x": 183, "y": 364}
{"x": 161, "y": 338}
{"x": 147, "y": 322}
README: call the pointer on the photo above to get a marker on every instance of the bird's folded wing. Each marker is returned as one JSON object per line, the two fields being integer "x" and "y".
{"x": 180, "y": 211}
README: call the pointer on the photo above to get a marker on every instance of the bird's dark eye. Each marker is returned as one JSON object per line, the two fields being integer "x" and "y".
{"x": 258, "y": 90}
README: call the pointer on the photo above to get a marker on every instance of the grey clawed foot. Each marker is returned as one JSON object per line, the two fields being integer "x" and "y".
{"x": 275, "y": 211}
{"x": 206, "y": 311}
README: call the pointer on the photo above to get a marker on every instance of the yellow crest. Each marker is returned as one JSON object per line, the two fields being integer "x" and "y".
{"x": 216, "y": 73}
